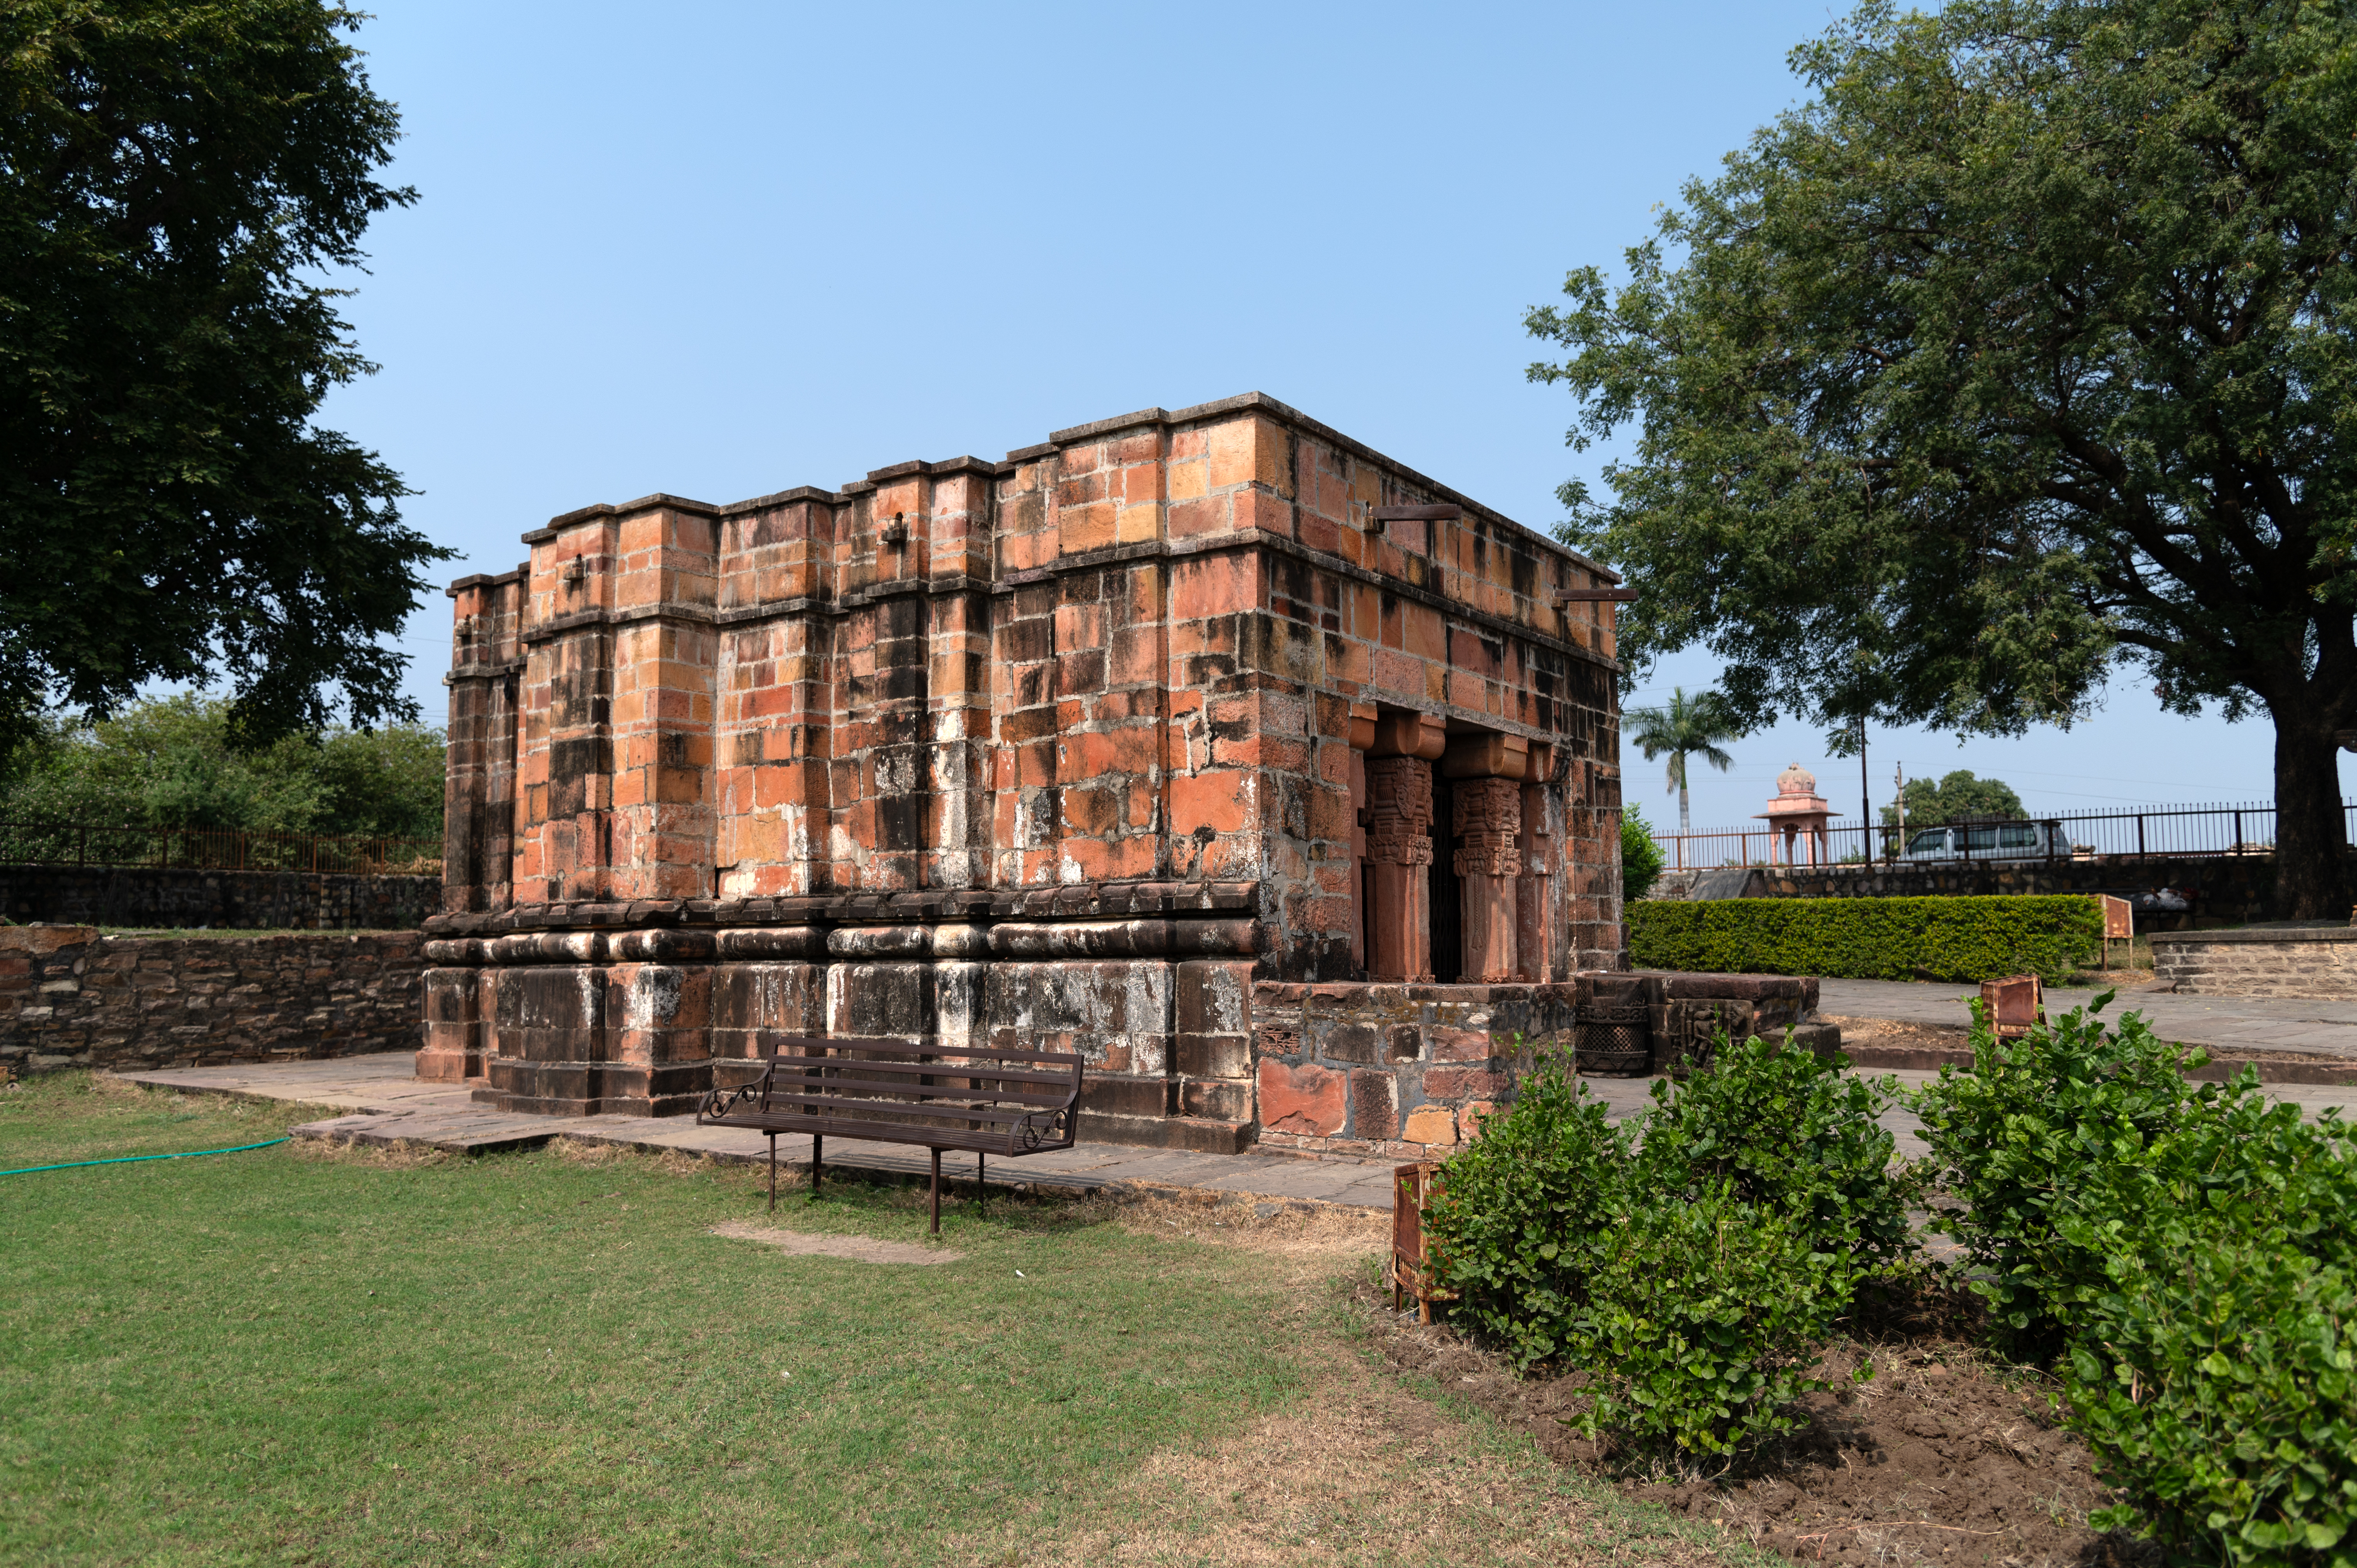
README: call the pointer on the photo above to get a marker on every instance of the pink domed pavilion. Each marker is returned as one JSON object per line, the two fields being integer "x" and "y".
{"x": 1798, "y": 808}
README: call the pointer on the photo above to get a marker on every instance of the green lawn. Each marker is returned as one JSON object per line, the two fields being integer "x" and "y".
{"x": 291, "y": 1356}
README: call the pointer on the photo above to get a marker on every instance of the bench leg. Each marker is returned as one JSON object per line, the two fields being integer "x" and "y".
{"x": 773, "y": 1173}
{"x": 981, "y": 1184}
{"x": 937, "y": 1192}
{"x": 818, "y": 1152}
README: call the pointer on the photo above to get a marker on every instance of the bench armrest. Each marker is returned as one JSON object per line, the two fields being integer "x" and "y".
{"x": 1049, "y": 1127}
{"x": 719, "y": 1103}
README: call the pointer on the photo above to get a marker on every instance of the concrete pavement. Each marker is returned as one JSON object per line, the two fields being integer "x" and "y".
{"x": 2254, "y": 1024}
{"x": 383, "y": 1103}
{"x": 380, "y": 1101}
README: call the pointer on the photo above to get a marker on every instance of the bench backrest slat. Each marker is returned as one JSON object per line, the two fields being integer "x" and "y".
{"x": 839, "y": 1083}
{"x": 811, "y": 1067}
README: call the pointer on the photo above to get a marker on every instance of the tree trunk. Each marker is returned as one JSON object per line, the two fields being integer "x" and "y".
{"x": 1686, "y": 817}
{"x": 2312, "y": 881}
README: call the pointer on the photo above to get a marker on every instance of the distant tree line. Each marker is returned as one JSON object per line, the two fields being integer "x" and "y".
{"x": 1957, "y": 798}
{"x": 171, "y": 763}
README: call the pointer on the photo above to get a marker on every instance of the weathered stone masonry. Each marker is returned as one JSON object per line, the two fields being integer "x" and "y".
{"x": 1072, "y": 747}
{"x": 71, "y": 997}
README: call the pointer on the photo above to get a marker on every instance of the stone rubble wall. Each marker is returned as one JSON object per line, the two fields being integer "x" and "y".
{"x": 72, "y": 998}
{"x": 2317, "y": 962}
{"x": 182, "y": 899}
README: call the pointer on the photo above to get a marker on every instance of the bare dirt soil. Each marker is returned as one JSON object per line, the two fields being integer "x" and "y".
{"x": 1943, "y": 1456}
{"x": 857, "y": 1249}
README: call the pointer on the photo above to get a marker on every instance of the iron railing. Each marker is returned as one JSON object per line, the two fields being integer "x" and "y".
{"x": 216, "y": 849}
{"x": 2234, "y": 828}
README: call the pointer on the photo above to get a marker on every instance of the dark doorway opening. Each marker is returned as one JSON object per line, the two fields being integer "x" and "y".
{"x": 1444, "y": 898}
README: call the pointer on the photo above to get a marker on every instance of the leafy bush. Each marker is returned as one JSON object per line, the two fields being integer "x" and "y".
{"x": 1690, "y": 1274}
{"x": 1527, "y": 1210}
{"x": 2187, "y": 1253}
{"x": 1868, "y": 939}
{"x": 2024, "y": 1137}
{"x": 1789, "y": 1132}
{"x": 2215, "y": 1388}
{"x": 1705, "y": 1318}
{"x": 1640, "y": 857}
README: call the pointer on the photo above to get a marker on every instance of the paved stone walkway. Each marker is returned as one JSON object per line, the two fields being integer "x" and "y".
{"x": 2229, "y": 1023}
{"x": 383, "y": 1104}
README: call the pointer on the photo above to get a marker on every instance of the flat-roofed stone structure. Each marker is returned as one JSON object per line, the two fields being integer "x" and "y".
{"x": 1075, "y": 747}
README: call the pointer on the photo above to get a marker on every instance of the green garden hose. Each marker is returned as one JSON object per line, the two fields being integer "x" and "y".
{"x": 134, "y": 1159}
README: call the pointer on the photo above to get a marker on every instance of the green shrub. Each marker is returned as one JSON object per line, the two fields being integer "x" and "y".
{"x": 2186, "y": 1254}
{"x": 2028, "y": 1132}
{"x": 2215, "y": 1388}
{"x": 1868, "y": 939}
{"x": 1705, "y": 1318}
{"x": 1525, "y": 1212}
{"x": 1793, "y": 1133}
{"x": 1691, "y": 1274}
{"x": 1640, "y": 857}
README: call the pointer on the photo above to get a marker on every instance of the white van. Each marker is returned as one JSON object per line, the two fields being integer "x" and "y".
{"x": 1988, "y": 841}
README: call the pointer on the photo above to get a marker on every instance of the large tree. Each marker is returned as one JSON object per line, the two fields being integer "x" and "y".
{"x": 2022, "y": 351}
{"x": 176, "y": 181}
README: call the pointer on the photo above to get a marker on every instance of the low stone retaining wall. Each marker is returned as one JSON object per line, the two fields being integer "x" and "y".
{"x": 2318, "y": 961}
{"x": 1408, "y": 1071}
{"x": 180, "y": 898}
{"x": 70, "y": 997}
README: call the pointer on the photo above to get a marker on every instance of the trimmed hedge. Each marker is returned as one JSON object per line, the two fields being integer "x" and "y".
{"x": 1868, "y": 938}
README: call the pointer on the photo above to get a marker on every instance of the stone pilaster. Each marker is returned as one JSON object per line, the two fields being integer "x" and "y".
{"x": 1399, "y": 821}
{"x": 1489, "y": 830}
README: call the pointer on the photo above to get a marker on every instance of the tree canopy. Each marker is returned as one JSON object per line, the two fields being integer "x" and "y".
{"x": 2019, "y": 357}
{"x": 175, "y": 180}
{"x": 171, "y": 763}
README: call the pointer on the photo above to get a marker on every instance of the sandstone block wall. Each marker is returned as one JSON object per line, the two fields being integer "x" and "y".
{"x": 70, "y": 997}
{"x": 1397, "y": 1070}
{"x": 2318, "y": 961}
{"x": 1408, "y": 1071}
{"x": 1216, "y": 686}
{"x": 179, "y": 897}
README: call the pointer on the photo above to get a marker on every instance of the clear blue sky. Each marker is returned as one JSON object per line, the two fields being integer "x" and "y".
{"x": 720, "y": 249}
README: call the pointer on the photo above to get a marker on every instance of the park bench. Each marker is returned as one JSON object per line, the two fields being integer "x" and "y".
{"x": 983, "y": 1098}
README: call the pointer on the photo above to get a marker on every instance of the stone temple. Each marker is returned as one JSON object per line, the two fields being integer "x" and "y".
{"x": 1274, "y": 777}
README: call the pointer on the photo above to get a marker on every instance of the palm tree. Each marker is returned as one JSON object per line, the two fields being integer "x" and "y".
{"x": 1688, "y": 727}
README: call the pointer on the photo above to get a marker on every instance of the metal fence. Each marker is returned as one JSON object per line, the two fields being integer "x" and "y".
{"x": 216, "y": 849}
{"x": 2235, "y": 828}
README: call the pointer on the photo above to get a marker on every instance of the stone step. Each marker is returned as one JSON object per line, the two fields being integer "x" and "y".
{"x": 455, "y": 1131}
{"x": 1201, "y": 1134}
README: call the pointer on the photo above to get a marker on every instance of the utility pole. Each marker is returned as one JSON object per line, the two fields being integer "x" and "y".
{"x": 1899, "y": 845}
{"x": 1865, "y": 802}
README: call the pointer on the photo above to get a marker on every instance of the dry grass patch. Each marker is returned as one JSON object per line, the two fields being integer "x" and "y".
{"x": 1361, "y": 1472}
{"x": 858, "y": 1249}
{"x": 402, "y": 1154}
